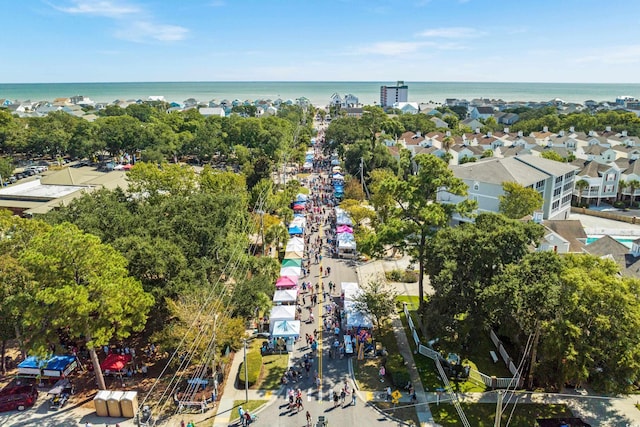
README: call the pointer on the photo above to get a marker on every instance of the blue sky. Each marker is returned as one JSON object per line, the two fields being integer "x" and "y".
{"x": 328, "y": 40}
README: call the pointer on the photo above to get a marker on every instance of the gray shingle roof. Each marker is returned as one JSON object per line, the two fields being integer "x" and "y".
{"x": 497, "y": 171}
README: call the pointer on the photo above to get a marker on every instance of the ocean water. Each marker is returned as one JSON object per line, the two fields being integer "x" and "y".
{"x": 319, "y": 93}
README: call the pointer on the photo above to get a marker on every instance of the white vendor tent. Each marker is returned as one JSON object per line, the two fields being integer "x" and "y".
{"x": 291, "y": 271}
{"x": 286, "y": 329}
{"x": 294, "y": 246}
{"x": 354, "y": 318}
{"x": 287, "y": 296}
{"x": 281, "y": 312}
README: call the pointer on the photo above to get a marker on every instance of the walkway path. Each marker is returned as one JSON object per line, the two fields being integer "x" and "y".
{"x": 374, "y": 271}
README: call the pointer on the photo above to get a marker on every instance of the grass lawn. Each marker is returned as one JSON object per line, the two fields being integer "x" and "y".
{"x": 476, "y": 356}
{"x": 273, "y": 367}
{"x": 366, "y": 371}
{"x": 250, "y": 406}
{"x": 406, "y": 413}
{"x": 483, "y": 414}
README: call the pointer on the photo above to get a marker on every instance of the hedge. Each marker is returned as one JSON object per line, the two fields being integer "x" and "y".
{"x": 396, "y": 368}
{"x": 254, "y": 362}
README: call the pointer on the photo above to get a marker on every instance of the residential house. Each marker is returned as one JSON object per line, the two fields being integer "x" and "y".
{"x": 336, "y": 100}
{"x": 603, "y": 180}
{"x": 484, "y": 178}
{"x": 212, "y": 111}
{"x": 472, "y": 123}
{"x": 563, "y": 236}
{"x": 353, "y": 111}
{"x": 351, "y": 101}
{"x": 481, "y": 112}
{"x": 407, "y": 107}
{"x": 439, "y": 122}
{"x": 627, "y": 259}
{"x": 460, "y": 153}
{"x": 596, "y": 152}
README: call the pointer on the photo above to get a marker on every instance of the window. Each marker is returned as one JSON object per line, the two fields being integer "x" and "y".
{"x": 568, "y": 175}
{"x": 608, "y": 189}
{"x": 557, "y": 192}
{"x": 566, "y": 200}
{"x": 555, "y": 205}
{"x": 558, "y": 180}
{"x": 567, "y": 187}
{"x": 611, "y": 177}
{"x": 539, "y": 185}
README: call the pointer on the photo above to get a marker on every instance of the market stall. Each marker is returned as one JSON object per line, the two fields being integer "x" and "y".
{"x": 291, "y": 262}
{"x": 291, "y": 271}
{"x": 115, "y": 363}
{"x": 53, "y": 367}
{"x": 288, "y": 330}
{"x": 279, "y": 313}
{"x": 287, "y": 282}
{"x": 285, "y": 296}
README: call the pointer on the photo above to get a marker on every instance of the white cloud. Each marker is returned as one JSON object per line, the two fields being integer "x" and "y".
{"x": 629, "y": 54}
{"x": 141, "y": 31}
{"x": 451, "y": 33}
{"x": 99, "y": 8}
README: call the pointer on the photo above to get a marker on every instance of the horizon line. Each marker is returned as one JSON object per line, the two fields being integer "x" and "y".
{"x": 322, "y": 81}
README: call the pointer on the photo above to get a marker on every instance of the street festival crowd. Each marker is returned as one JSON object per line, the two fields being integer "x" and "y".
{"x": 318, "y": 210}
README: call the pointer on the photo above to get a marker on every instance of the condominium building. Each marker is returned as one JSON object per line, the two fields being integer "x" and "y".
{"x": 389, "y": 95}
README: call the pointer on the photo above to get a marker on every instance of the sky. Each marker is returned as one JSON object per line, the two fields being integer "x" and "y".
{"x": 582, "y": 41}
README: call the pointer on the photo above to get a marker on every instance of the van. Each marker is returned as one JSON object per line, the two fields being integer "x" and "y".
{"x": 18, "y": 397}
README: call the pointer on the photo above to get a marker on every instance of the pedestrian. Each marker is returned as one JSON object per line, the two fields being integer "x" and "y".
{"x": 382, "y": 373}
{"x": 308, "y": 419}
{"x": 335, "y": 399}
{"x": 353, "y": 397}
{"x": 182, "y": 423}
{"x": 342, "y": 396}
{"x": 241, "y": 414}
{"x": 388, "y": 393}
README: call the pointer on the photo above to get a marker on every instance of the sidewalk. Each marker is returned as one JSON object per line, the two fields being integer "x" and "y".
{"x": 231, "y": 394}
{"x": 374, "y": 271}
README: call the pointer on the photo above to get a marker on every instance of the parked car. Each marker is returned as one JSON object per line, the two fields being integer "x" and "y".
{"x": 18, "y": 397}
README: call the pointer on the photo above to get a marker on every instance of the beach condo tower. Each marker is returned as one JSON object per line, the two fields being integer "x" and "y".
{"x": 389, "y": 95}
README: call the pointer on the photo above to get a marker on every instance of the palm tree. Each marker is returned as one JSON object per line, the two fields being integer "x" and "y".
{"x": 581, "y": 186}
{"x": 621, "y": 186}
{"x": 633, "y": 185}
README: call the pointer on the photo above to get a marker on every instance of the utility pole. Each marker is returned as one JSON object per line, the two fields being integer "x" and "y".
{"x": 498, "y": 409}
{"x": 246, "y": 373}
{"x": 366, "y": 190}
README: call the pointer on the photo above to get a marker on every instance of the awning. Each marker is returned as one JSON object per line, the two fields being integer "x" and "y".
{"x": 291, "y": 262}
{"x": 295, "y": 230}
{"x": 344, "y": 229}
{"x": 294, "y": 246}
{"x": 293, "y": 254}
{"x": 115, "y": 362}
{"x": 298, "y": 207}
{"x": 286, "y": 328}
{"x": 287, "y": 282}
{"x": 285, "y": 295}
{"x": 291, "y": 271}
{"x": 281, "y": 312}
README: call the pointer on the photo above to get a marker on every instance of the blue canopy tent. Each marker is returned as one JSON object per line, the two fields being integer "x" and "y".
{"x": 295, "y": 230}
{"x": 55, "y": 366}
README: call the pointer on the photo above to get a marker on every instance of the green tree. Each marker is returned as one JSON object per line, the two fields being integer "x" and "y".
{"x": 6, "y": 169}
{"x": 582, "y": 185}
{"x": 84, "y": 288}
{"x": 518, "y": 201}
{"x": 377, "y": 301}
{"x": 552, "y": 155}
{"x": 416, "y": 212}
{"x": 528, "y": 292}
{"x": 633, "y": 185}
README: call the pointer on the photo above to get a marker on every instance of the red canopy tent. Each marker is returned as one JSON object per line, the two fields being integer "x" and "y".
{"x": 115, "y": 362}
{"x": 344, "y": 229}
{"x": 298, "y": 207}
{"x": 287, "y": 282}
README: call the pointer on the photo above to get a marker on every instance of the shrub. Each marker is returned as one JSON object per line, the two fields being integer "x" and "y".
{"x": 410, "y": 276}
{"x": 394, "y": 275}
{"x": 254, "y": 362}
{"x": 619, "y": 204}
{"x": 396, "y": 368}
